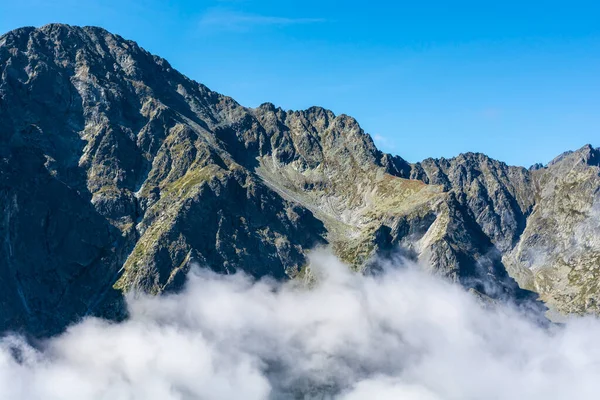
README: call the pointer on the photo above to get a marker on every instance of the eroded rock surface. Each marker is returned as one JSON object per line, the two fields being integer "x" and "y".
{"x": 117, "y": 173}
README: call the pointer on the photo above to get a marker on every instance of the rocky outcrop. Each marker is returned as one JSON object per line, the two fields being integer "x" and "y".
{"x": 499, "y": 197}
{"x": 118, "y": 173}
{"x": 114, "y": 174}
{"x": 558, "y": 254}
{"x": 544, "y": 221}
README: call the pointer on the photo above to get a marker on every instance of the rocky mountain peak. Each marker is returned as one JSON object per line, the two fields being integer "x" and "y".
{"x": 586, "y": 154}
{"x": 590, "y": 155}
{"x": 118, "y": 173}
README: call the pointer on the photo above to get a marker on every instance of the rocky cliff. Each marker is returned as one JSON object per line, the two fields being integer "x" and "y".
{"x": 117, "y": 172}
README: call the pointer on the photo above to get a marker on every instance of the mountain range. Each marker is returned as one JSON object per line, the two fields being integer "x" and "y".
{"x": 118, "y": 173}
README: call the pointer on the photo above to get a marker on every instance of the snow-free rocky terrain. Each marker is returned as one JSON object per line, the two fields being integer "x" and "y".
{"x": 117, "y": 172}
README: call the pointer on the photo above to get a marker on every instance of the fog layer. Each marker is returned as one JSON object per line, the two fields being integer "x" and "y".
{"x": 402, "y": 334}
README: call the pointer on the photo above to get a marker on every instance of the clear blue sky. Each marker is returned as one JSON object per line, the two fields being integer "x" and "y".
{"x": 518, "y": 80}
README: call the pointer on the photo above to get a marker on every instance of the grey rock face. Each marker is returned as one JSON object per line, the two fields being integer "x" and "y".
{"x": 499, "y": 197}
{"x": 558, "y": 254}
{"x": 118, "y": 173}
{"x": 113, "y": 175}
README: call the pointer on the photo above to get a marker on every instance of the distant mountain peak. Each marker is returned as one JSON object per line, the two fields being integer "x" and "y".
{"x": 586, "y": 154}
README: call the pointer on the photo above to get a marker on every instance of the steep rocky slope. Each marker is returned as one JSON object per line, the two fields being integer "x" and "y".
{"x": 117, "y": 172}
{"x": 558, "y": 254}
{"x": 545, "y": 221}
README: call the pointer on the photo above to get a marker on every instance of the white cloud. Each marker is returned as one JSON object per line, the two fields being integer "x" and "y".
{"x": 379, "y": 138}
{"x": 224, "y": 19}
{"x": 384, "y": 142}
{"x": 402, "y": 334}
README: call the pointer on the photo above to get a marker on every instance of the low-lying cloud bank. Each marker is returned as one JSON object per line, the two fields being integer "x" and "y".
{"x": 399, "y": 335}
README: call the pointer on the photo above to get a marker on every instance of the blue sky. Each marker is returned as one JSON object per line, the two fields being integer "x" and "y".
{"x": 518, "y": 80}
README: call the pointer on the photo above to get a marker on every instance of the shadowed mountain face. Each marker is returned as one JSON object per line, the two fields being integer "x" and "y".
{"x": 117, "y": 172}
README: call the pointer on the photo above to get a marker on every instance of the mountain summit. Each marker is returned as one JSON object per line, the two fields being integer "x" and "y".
{"x": 117, "y": 173}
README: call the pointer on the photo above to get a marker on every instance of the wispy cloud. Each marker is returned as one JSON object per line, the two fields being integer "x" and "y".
{"x": 380, "y": 138}
{"x": 384, "y": 142}
{"x": 492, "y": 113}
{"x": 239, "y": 21}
